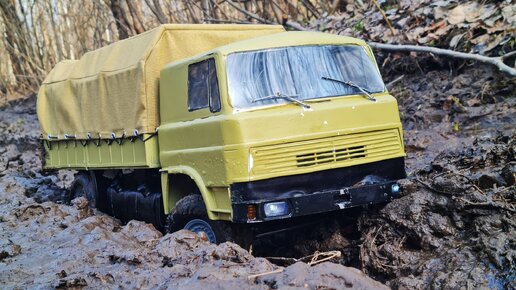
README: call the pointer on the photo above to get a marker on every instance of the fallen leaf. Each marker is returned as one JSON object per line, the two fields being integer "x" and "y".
{"x": 487, "y": 11}
{"x": 473, "y": 102}
{"x": 472, "y": 12}
{"x": 402, "y": 22}
{"x": 509, "y": 14}
{"x": 455, "y": 40}
{"x": 496, "y": 27}
{"x": 457, "y": 15}
{"x": 484, "y": 38}
{"x": 491, "y": 21}
{"x": 495, "y": 42}
{"x": 439, "y": 13}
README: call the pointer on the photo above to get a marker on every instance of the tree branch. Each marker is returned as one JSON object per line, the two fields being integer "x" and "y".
{"x": 291, "y": 24}
{"x": 496, "y": 61}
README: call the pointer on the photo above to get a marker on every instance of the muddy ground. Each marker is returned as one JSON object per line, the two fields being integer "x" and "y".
{"x": 453, "y": 227}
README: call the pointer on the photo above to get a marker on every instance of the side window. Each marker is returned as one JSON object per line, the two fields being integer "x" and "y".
{"x": 203, "y": 87}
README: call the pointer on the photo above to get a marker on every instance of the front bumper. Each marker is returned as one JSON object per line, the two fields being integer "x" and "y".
{"x": 318, "y": 192}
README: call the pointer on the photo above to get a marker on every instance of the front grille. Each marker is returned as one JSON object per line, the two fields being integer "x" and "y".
{"x": 329, "y": 152}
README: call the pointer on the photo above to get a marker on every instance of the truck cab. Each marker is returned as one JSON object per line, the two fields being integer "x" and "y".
{"x": 280, "y": 126}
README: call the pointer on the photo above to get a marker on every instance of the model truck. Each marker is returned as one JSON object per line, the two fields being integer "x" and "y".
{"x": 213, "y": 128}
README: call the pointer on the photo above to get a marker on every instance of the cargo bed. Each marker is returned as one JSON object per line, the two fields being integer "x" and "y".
{"x": 107, "y": 154}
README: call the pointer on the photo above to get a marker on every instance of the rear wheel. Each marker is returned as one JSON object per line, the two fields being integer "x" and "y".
{"x": 83, "y": 186}
{"x": 190, "y": 213}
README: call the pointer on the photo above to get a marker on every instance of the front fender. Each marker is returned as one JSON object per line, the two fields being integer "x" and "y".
{"x": 216, "y": 199}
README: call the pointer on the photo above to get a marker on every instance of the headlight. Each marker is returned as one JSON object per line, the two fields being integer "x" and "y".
{"x": 273, "y": 209}
{"x": 395, "y": 188}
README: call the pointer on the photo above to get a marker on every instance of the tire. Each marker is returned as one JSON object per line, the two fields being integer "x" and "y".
{"x": 190, "y": 213}
{"x": 83, "y": 185}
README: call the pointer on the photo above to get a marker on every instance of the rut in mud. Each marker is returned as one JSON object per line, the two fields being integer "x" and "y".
{"x": 453, "y": 227}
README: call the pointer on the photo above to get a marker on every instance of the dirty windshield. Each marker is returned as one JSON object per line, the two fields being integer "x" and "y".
{"x": 300, "y": 71}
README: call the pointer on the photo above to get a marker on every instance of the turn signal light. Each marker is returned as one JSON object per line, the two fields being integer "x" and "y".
{"x": 251, "y": 212}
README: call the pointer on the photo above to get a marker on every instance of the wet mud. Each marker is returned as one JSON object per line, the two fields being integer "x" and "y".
{"x": 452, "y": 228}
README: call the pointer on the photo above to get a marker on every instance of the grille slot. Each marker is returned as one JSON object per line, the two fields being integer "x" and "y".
{"x": 305, "y": 160}
{"x": 325, "y": 152}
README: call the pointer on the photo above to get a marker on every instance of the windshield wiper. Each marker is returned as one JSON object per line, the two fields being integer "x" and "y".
{"x": 351, "y": 84}
{"x": 279, "y": 95}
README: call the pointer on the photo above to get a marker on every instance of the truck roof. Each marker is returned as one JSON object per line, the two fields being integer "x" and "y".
{"x": 276, "y": 40}
{"x": 292, "y": 38}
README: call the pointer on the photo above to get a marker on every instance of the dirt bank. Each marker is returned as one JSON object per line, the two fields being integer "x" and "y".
{"x": 454, "y": 227}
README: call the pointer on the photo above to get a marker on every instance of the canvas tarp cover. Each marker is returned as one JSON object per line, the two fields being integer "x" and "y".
{"x": 115, "y": 89}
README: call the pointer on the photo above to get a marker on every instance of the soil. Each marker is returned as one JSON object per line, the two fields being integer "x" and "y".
{"x": 452, "y": 228}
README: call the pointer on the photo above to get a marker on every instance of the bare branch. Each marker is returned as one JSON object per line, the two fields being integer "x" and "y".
{"x": 496, "y": 61}
{"x": 252, "y": 15}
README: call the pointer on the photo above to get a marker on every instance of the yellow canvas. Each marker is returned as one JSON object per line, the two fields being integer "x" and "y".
{"x": 115, "y": 89}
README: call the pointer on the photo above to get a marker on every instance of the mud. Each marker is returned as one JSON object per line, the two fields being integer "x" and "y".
{"x": 46, "y": 244}
{"x": 453, "y": 227}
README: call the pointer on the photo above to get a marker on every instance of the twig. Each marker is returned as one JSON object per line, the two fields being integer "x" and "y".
{"x": 471, "y": 181}
{"x": 395, "y": 81}
{"x": 433, "y": 189}
{"x": 250, "y": 14}
{"x": 496, "y": 61}
{"x": 291, "y": 24}
{"x": 384, "y": 17}
{"x": 265, "y": 273}
{"x": 508, "y": 55}
{"x": 227, "y": 21}
{"x": 487, "y": 204}
{"x": 295, "y": 25}
{"x": 330, "y": 255}
{"x": 310, "y": 259}
{"x": 376, "y": 235}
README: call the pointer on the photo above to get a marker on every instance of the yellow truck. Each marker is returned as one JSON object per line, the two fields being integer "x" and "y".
{"x": 215, "y": 128}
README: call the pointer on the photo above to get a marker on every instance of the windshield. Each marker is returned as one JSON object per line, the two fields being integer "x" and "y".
{"x": 299, "y": 71}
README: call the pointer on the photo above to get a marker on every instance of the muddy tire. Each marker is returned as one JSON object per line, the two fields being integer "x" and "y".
{"x": 83, "y": 185}
{"x": 190, "y": 213}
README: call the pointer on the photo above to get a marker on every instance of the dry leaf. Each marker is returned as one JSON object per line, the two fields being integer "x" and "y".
{"x": 455, "y": 40}
{"x": 498, "y": 26}
{"x": 509, "y": 14}
{"x": 473, "y": 102}
{"x": 472, "y": 12}
{"x": 495, "y": 42}
{"x": 457, "y": 15}
{"x": 487, "y": 11}
{"x": 439, "y": 13}
{"x": 484, "y": 38}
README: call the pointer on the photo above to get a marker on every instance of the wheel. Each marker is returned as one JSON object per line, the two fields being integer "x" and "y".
{"x": 83, "y": 185}
{"x": 190, "y": 213}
